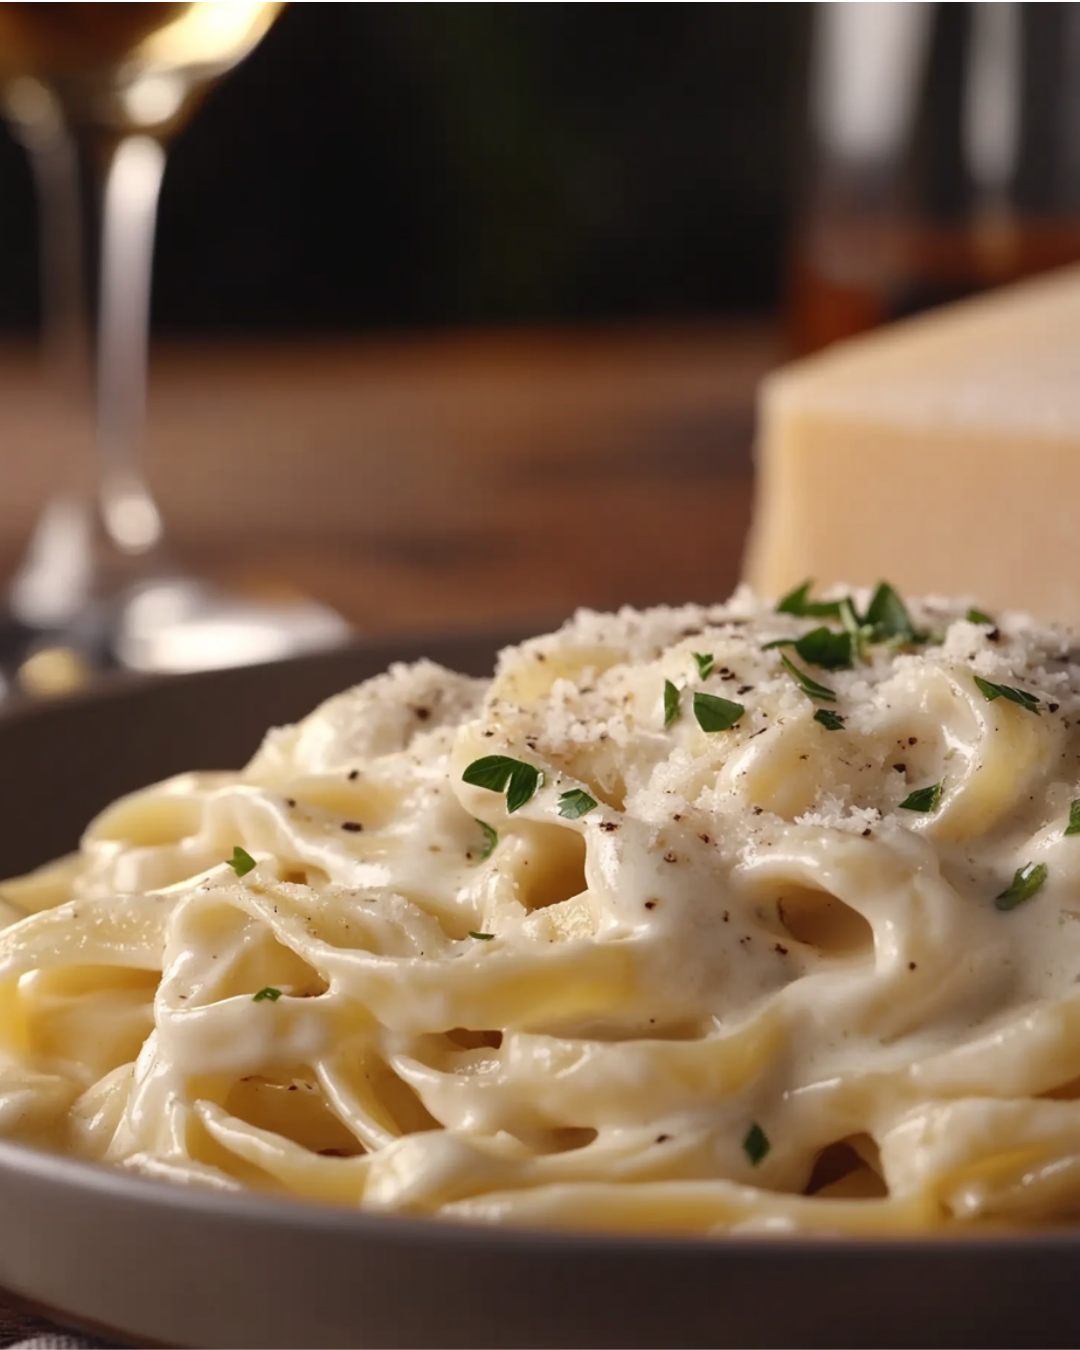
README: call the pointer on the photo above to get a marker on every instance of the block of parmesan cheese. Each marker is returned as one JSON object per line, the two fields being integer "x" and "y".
{"x": 941, "y": 453}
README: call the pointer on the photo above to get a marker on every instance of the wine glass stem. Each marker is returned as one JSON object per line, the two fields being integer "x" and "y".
{"x": 75, "y": 178}
{"x": 132, "y": 182}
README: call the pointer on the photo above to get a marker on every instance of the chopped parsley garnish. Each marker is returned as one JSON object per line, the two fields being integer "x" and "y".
{"x": 241, "y": 861}
{"x": 977, "y": 616}
{"x": 886, "y": 620}
{"x": 481, "y": 937}
{"x": 1073, "y": 826}
{"x": 991, "y": 691}
{"x": 756, "y": 1144}
{"x": 575, "y": 803}
{"x": 268, "y": 993}
{"x": 499, "y": 773}
{"x": 1023, "y": 886}
{"x": 716, "y": 714}
{"x": 671, "y": 703}
{"x": 491, "y": 838}
{"x": 923, "y": 799}
{"x": 704, "y": 664}
{"x": 798, "y": 602}
{"x": 829, "y": 720}
{"x": 849, "y": 617}
{"x": 809, "y": 687}
{"x": 820, "y": 647}
{"x": 860, "y": 633}
{"x": 888, "y": 615}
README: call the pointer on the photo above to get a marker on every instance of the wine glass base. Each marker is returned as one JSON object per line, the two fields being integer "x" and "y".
{"x": 171, "y": 624}
{"x": 175, "y": 625}
{"x": 78, "y": 606}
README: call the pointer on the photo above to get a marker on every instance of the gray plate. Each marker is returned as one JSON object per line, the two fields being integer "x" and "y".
{"x": 163, "y": 1265}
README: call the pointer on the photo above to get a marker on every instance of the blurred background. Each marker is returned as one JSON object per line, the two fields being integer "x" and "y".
{"x": 454, "y": 306}
{"x": 375, "y": 167}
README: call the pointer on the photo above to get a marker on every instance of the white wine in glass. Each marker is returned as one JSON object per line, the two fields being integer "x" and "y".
{"x": 94, "y": 91}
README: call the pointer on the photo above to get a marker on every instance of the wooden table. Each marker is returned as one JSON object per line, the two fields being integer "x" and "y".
{"x": 431, "y": 483}
{"x": 436, "y": 482}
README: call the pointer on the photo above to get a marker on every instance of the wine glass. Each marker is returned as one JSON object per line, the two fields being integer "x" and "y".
{"x": 943, "y": 158}
{"x": 94, "y": 91}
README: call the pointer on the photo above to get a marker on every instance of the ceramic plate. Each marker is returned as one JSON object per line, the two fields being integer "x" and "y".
{"x": 158, "y": 1264}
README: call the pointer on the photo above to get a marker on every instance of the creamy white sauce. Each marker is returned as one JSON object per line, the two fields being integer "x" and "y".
{"x": 598, "y": 1020}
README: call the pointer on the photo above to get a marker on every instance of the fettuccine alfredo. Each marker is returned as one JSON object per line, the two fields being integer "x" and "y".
{"x": 691, "y": 920}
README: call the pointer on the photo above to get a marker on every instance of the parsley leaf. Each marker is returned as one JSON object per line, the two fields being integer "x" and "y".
{"x": 809, "y": 687}
{"x": 716, "y": 714}
{"x": 977, "y": 616}
{"x": 241, "y": 861}
{"x": 991, "y": 691}
{"x": 575, "y": 803}
{"x": 481, "y": 937}
{"x": 795, "y": 601}
{"x": 923, "y": 799}
{"x": 269, "y": 993}
{"x": 756, "y": 1144}
{"x": 829, "y": 720}
{"x": 1073, "y": 826}
{"x": 671, "y": 703}
{"x": 888, "y": 615}
{"x": 798, "y": 602}
{"x": 822, "y": 647}
{"x": 499, "y": 773}
{"x": 705, "y": 664}
{"x": 1023, "y": 886}
{"x": 491, "y": 838}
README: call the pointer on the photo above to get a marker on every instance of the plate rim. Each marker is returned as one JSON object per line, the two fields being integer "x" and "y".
{"x": 114, "y": 1182}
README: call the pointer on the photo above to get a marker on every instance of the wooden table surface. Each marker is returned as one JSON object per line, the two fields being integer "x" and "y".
{"x": 441, "y": 481}
{"x": 432, "y": 483}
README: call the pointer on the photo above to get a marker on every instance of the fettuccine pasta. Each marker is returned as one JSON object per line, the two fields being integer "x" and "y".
{"x": 694, "y": 920}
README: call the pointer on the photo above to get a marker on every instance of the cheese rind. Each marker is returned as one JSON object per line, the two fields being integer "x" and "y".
{"x": 942, "y": 452}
